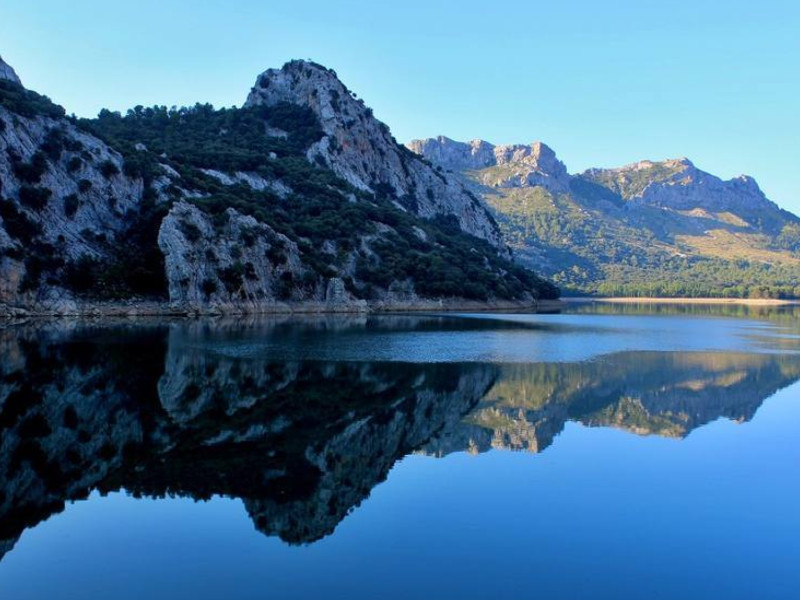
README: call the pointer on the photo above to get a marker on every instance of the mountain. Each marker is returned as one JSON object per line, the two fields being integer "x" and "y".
{"x": 649, "y": 228}
{"x": 300, "y": 198}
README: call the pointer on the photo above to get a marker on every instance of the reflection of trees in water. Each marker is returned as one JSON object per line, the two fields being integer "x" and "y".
{"x": 786, "y": 313}
{"x": 163, "y": 409}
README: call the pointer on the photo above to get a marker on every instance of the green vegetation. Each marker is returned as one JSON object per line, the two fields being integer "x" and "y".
{"x": 34, "y": 198}
{"x": 39, "y": 257}
{"x": 227, "y": 139}
{"x": 71, "y": 204}
{"x": 327, "y": 218}
{"x": 26, "y": 103}
{"x": 29, "y": 172}
{"x": 632, "y": 182}
{"x": 588, "y": 243}
{"x": 108, "y": 169}
{"x": 704, "y": 278}
{"x": 441, "y": 260}
{"x": 135, "y": 266}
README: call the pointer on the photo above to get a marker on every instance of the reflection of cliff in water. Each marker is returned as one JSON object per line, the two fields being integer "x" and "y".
{"x": 168, "y": 409}
{"x": 155, "y": 412}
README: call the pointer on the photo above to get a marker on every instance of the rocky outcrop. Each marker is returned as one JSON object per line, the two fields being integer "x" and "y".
{"x": 238, "y": 264}
{"x": 360, "y": 148}
{"x": 514, "y": 165}
{"x": 680, "y": 186}
{"x": 7, "y": 73}
{"x": 455, "y": 156}
{"x": 235, "y": 260}
{"x": 64, "y": 196}
{"x": 253, "y": 180}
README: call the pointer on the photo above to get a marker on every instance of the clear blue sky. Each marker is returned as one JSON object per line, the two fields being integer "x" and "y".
{"x": 603, "y": 83}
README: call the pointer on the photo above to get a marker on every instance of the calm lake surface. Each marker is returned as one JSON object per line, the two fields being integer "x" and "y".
{"x": 606, "y": 452}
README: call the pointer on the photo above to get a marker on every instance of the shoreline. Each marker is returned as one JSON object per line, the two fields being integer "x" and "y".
{"x": 656, "y": 300}
{"x": 134, "y": 309}
{"x": 144, "y": 308}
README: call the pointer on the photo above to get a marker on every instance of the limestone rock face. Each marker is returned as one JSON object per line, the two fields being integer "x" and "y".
{"x": 360, "y": 148}
{"x": 240, "y": 262}
{"x": 679, "y": 185}
{"x": 74, "y": 199}
{"x": 453, "y": 155}
{"x": 6, "y": 72}
{"x": 676, "y": 184}
{"x": 506, "y": 166}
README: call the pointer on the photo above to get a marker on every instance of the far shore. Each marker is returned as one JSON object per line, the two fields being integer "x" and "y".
{"x": 629, "y": 300}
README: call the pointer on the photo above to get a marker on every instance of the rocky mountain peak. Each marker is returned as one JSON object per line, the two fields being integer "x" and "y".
{"x": 455, "y": 156}
{"x": 8, "y": 73}
{"x": 677, "y": 183}
{"x": 538, "y": 155}
{"x": 361, "y": 149}
{"x": 308, "y": 84}
{"x": 519, "y": 165}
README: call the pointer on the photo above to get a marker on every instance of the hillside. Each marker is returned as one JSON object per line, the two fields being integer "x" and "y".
{"x": 651, "y": 228}
{"x": 300, "y": 197}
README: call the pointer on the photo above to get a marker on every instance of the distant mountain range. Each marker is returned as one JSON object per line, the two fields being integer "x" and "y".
{"x": 649, "y": 228}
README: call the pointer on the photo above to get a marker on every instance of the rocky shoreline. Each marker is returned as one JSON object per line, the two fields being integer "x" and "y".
{"x": 167, "y": 309}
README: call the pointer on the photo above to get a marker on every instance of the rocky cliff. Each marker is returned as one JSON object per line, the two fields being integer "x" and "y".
{"x": 299, "y": 198}
{"x": 7, "y": 73}
{"x": 652, "y": 227}
{"x": 63, "y": 198}
{"x": 360, "y": 148}
{"x": 498, "y": 166}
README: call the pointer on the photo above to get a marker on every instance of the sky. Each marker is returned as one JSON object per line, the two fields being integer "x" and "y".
{"x": 603, "y": 83}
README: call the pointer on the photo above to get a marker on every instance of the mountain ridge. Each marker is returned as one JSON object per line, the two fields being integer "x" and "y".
{"x": 646, "y": 228}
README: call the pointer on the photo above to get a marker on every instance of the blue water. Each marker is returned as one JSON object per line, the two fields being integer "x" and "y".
{"x": 659, "y": 459}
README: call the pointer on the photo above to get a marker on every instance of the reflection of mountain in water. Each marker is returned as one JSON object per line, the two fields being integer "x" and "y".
{"x": 166, "y": 410}
{"x": 155, "y": 412}
{"x": 663, "y": 393}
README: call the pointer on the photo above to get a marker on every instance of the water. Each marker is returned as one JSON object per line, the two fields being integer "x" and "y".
{"x": 609, "y": 452}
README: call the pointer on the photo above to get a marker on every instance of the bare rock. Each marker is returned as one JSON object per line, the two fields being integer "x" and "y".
{"x": 361, "y": 149}
{"x": 7, "y": 73}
